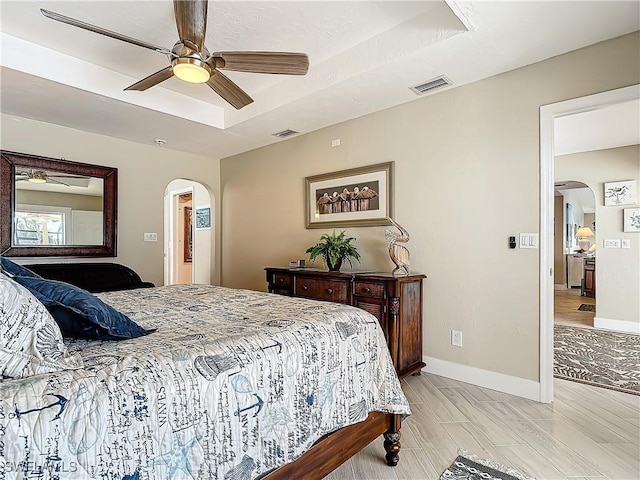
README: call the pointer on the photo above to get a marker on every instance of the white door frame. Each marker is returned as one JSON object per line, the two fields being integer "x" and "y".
{"x": 170, "y": 234}
{"x": 548, "y": 114}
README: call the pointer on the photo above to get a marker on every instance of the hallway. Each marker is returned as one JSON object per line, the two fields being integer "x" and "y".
{"x": 565, "y": 308}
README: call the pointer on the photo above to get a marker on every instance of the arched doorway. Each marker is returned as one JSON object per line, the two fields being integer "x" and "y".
{"x": 187, "y": 233}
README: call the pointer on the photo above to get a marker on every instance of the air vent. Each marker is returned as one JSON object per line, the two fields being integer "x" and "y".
{"x": 284, "y": 133}
{"x": 430, "y": 85}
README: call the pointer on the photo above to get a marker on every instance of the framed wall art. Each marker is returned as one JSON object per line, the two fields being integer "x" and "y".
{"x": 620, "y": 193}
{"x": 631, "y": 219}
{"x": 357, "y": 197}
{"x": 203, "y": 217}
{"x": 188, "y": 235}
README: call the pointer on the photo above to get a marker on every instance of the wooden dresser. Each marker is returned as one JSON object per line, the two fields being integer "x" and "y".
{"x": 395, "y": 301}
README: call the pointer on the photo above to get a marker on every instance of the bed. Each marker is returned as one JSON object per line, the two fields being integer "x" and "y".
{"x": 230, "y": 384}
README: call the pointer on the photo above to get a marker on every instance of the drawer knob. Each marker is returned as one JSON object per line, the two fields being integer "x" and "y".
{"x": 304, "y": 287}
{"x": 281, "y": 280}
{"x": 330, "y": 290}
{"x": 367, "y": 290}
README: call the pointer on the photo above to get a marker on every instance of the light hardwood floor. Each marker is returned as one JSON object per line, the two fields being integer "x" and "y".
{"x": 565, "y": 307}
{"x": 587, "y": 433}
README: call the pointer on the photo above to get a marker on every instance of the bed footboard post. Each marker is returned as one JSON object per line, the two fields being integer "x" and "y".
{"x": 392, "y": 441}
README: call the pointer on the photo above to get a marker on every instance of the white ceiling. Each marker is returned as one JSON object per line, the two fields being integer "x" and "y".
{"x": 609, "y": 127}
{"x": 363, "y": 57}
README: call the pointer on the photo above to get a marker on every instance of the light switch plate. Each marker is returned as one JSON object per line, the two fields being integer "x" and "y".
{"x": 528, "y": 240}
{"x": 612, "y": 243}
{"x": 626, "y": 243}
{"x": 150, "y": 237}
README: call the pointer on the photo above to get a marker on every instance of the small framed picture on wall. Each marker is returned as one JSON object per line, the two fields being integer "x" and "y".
{"x": 620, "y": 193}
{"x": 631, "y": 219}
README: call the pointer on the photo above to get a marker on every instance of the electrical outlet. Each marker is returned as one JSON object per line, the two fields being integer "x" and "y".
{"x": 456, "y": 338}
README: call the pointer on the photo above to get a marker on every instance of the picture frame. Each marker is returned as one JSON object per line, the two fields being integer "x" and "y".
{"x": 203, "y": 217}
{"x": 631, "y": 220}
{"x": 357, "y": 197}
{"x": 624, "y": 192}
{"x": 188, "y": 235}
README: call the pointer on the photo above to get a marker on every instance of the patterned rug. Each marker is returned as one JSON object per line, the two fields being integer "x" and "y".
{"x": 597, "y": 357}
{"x": 470, "y": 467}
{"x": 586, "y": 307}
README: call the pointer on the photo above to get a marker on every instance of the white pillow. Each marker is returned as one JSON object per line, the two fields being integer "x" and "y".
{"x": 30, "y": 340}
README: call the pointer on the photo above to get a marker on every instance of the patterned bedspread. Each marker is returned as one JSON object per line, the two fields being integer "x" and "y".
{"x": 233, "y": 384}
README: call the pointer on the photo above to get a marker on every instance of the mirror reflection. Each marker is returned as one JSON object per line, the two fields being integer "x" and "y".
{"x": 57, "y": 208}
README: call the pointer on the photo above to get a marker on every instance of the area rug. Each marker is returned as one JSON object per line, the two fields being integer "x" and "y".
{"x": 470, "y": 467}
{"x": 597, "y": 357}
{"x": 586, "y": 307}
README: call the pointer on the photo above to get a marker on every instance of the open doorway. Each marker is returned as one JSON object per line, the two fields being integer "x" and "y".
{"x": 574, "y": 252}
{"x": 188, "y": 235}
{"x": 624, "y": 315}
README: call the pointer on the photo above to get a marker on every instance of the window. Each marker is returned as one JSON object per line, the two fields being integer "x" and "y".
{"x": 39, "y": 228}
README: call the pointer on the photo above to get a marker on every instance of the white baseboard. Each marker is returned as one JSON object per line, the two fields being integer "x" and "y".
{"x": 616, "y": 325}
{"x": 500, "y": 382}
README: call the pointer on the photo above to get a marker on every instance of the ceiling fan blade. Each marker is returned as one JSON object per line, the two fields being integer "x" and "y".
{"x": 79, "y": 177}
{"x": 102, "y": 31}
{"x": 228, "y": 90}
{"x": 263, "y": 62}
{"x": 51, "y": 180}
{"x": 191, "y": 20}
{"x": 151, "y": 80}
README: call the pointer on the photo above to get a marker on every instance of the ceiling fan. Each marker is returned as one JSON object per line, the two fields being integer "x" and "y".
{"x": 40, "y": 176}
{"x": 191, "y": 61}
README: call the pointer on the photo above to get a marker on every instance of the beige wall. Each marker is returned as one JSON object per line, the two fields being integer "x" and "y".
{"x": 144, "y": 171}
{"x": 74, "y": 202}
{"x": 617, "y": 270}
{"x": 466, "y": 178}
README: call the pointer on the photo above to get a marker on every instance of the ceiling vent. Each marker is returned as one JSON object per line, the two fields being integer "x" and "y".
{"x": 430, "y": 85}
{"x": 284, "y": 133}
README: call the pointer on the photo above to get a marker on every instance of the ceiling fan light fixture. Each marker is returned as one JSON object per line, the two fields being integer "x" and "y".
{"x": 191, "y": 70}
{"x": 38, "y": 177}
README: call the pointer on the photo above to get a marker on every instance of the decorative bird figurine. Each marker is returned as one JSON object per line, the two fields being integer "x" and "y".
{"x": 399, "y": 253}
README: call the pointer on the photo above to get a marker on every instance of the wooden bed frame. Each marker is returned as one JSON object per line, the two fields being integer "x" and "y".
{"x": 333, "y": 450}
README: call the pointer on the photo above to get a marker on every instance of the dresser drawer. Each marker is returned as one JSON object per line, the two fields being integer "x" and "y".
{"x": 317, "y": 289}
{"x": 281, "y": 280}
{"x": 368, "y": 289}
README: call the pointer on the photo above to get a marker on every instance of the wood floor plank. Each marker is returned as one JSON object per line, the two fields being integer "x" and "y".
{"x": 343, "y": 472}
{"x": 442, "y": 409}
{"x": 565, "y": 440}
{"x": 433, "y": 439}
{"x": 627, "y": 459}
{"x": 469, "y": 438}
{"x": 593, "y": 427}
{"x": 407, "y": 437}
{"x": 495, "y": 430}
{"x": 369, "y": 463}
{"x": 415, "y": 465}
{"x": 559, "y": 455}
{"x": 530, "y": 462}
{"x": 568, "y": 433}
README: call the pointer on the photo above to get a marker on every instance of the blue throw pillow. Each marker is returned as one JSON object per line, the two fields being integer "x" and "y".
{"x": 15, "y": 270}
{"x": 79, "y": 314}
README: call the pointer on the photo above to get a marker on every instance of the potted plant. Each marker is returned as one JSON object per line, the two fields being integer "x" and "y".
{"x": 334, "y": 249}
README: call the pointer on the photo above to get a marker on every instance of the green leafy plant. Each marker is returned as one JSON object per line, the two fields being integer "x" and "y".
{"x": 334, "y": 249}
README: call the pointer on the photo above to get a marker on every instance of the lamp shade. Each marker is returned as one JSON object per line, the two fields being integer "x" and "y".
{"x": 584, "y": 232}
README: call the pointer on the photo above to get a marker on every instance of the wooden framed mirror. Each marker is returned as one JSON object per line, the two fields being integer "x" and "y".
{"x": 51, "y": 207}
